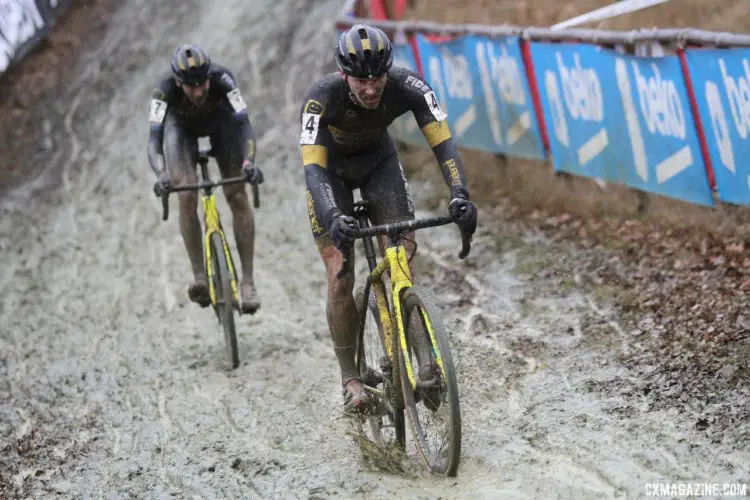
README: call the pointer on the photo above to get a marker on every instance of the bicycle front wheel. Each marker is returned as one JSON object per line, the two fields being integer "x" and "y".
{"x": 223, "y": 289}
{"x": 433, "y": 408}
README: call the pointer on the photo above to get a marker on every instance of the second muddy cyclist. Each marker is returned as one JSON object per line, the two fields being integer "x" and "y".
{"x": 199, "y": 98}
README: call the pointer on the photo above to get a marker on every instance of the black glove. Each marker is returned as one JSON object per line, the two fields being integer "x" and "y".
{"x": 342, "y": 230}
{"x": 464, "y": 213}
{"x": 162, "y": 186}
{"x": 253, "y": 175}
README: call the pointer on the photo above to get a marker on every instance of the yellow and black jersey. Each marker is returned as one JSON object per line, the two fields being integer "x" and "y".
{"x": 335, "y": 130}
{"x": 224, "y": 103}
{"x": 223, "y": 95}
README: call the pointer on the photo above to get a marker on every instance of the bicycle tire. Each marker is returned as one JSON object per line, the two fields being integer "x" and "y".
{"x": 224, "y": 296}
{"x": 420, "y": 298}
{"x": 396, "y": 402}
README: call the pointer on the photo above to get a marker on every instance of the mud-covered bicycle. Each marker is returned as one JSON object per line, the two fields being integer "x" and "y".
{"x": 409, "y": 325}
{"x": 217, "y": 257}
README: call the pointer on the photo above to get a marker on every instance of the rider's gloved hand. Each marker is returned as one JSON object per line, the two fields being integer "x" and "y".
{"x": 463, "y": 212}
{"x": 252, "y": 174}
{"x": 162, "y": 186}
{"x": 342, "y": 229}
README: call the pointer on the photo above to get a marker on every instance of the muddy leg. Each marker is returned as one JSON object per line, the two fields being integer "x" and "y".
{"x": 180, "y": 152}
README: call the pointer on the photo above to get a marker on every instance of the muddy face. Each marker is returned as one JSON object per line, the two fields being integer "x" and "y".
{"x": 196, "y": 93}
{"x": 367, "y": 92}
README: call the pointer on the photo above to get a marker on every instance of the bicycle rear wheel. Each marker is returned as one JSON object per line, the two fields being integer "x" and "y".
{"x": 223, "y": 289}
{"x": 387, "y": 423}
{"x": 427, "y": 342}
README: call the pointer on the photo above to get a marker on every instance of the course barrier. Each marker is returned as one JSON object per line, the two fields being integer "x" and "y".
{"x": 661, "y": 111}
{"x": 23, "y": 25}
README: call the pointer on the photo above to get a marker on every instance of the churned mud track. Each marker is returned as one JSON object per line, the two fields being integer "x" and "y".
{"x": 112, "y": 385}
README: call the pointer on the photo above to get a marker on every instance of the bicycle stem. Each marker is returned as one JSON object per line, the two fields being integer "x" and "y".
{"x": 208, "y": 186}
{"x": 396, "y": 229}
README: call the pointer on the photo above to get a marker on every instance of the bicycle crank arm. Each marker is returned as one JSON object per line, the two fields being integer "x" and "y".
{"x": 382, "y": 406}
{"x": 375, "y": 392}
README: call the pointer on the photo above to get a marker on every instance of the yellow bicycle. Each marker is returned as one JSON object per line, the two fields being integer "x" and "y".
{"x": 222, "y": 274}
{"x": 409, "y": 329}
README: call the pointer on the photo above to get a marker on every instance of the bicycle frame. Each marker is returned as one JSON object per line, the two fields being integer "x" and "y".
{"x": 212, "y": 224}
{"x": 397, "y": 265}
{"x": 211, "y": 221}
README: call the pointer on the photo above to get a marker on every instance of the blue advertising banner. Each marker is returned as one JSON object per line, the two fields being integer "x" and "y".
{"x": 481, "y": 85}
{"x": 505, "y": 99}
{"x": 721, "y": 80}
{"x": 447, "y": 70}
{"x": 623, "y": 118}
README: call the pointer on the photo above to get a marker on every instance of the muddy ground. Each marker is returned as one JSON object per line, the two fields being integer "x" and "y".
{"x": 115, "y": 386}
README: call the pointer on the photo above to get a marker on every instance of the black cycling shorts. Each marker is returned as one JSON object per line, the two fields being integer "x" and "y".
{"x": 381, "y": 181}
{"x": 181, "y": 142}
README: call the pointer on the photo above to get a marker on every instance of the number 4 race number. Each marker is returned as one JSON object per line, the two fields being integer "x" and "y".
{"x": 432, "y": 102}
{"x": 310, "y": 123}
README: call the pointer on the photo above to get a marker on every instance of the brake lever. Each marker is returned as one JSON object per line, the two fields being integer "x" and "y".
{"x": 466, "y": 239}
{"x": 165, "y": 206}
{"x": 345, "y": 267}
{"x": 164, "y": 201}
{"x": 465, "y": 245}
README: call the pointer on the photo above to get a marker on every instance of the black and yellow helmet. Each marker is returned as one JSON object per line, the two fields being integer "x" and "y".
{"x": 364, "y": 52}
{"x": 190, "y": 65}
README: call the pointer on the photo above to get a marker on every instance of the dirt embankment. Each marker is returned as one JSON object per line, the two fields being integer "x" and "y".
{"x": 27, "y": 89}
{"x": 699, "y": 257}
{"x": 676, "y": 271}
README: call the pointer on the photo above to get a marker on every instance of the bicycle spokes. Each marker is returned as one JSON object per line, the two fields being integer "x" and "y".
{"x": 433, "y": 406}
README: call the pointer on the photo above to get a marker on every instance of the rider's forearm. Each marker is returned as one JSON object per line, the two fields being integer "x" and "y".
{"x": 248, "y": 135}
{"x": 452, "y": 167}
{"x": 319, "y": 187}
{"x": 156, "y": 151}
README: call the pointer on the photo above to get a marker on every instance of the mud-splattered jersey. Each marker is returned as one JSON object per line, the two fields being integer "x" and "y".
{"x": 224, "y": 100}
{"x": 334, "y": 127}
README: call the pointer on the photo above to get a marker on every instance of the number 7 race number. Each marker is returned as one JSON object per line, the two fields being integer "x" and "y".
{"x": 158, "y": 111}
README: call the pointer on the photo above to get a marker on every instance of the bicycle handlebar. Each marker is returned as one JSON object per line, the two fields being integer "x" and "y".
{"x": 397, "y": 228}
{"x": 203, "y": 185}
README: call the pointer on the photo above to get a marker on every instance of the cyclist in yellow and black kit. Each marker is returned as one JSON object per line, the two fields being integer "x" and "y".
{"x": 200, "y": 98}
{"x": 345, "y": 145}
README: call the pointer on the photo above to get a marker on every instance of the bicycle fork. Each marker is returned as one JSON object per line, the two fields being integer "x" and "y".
{"x": 213, "y": 226}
